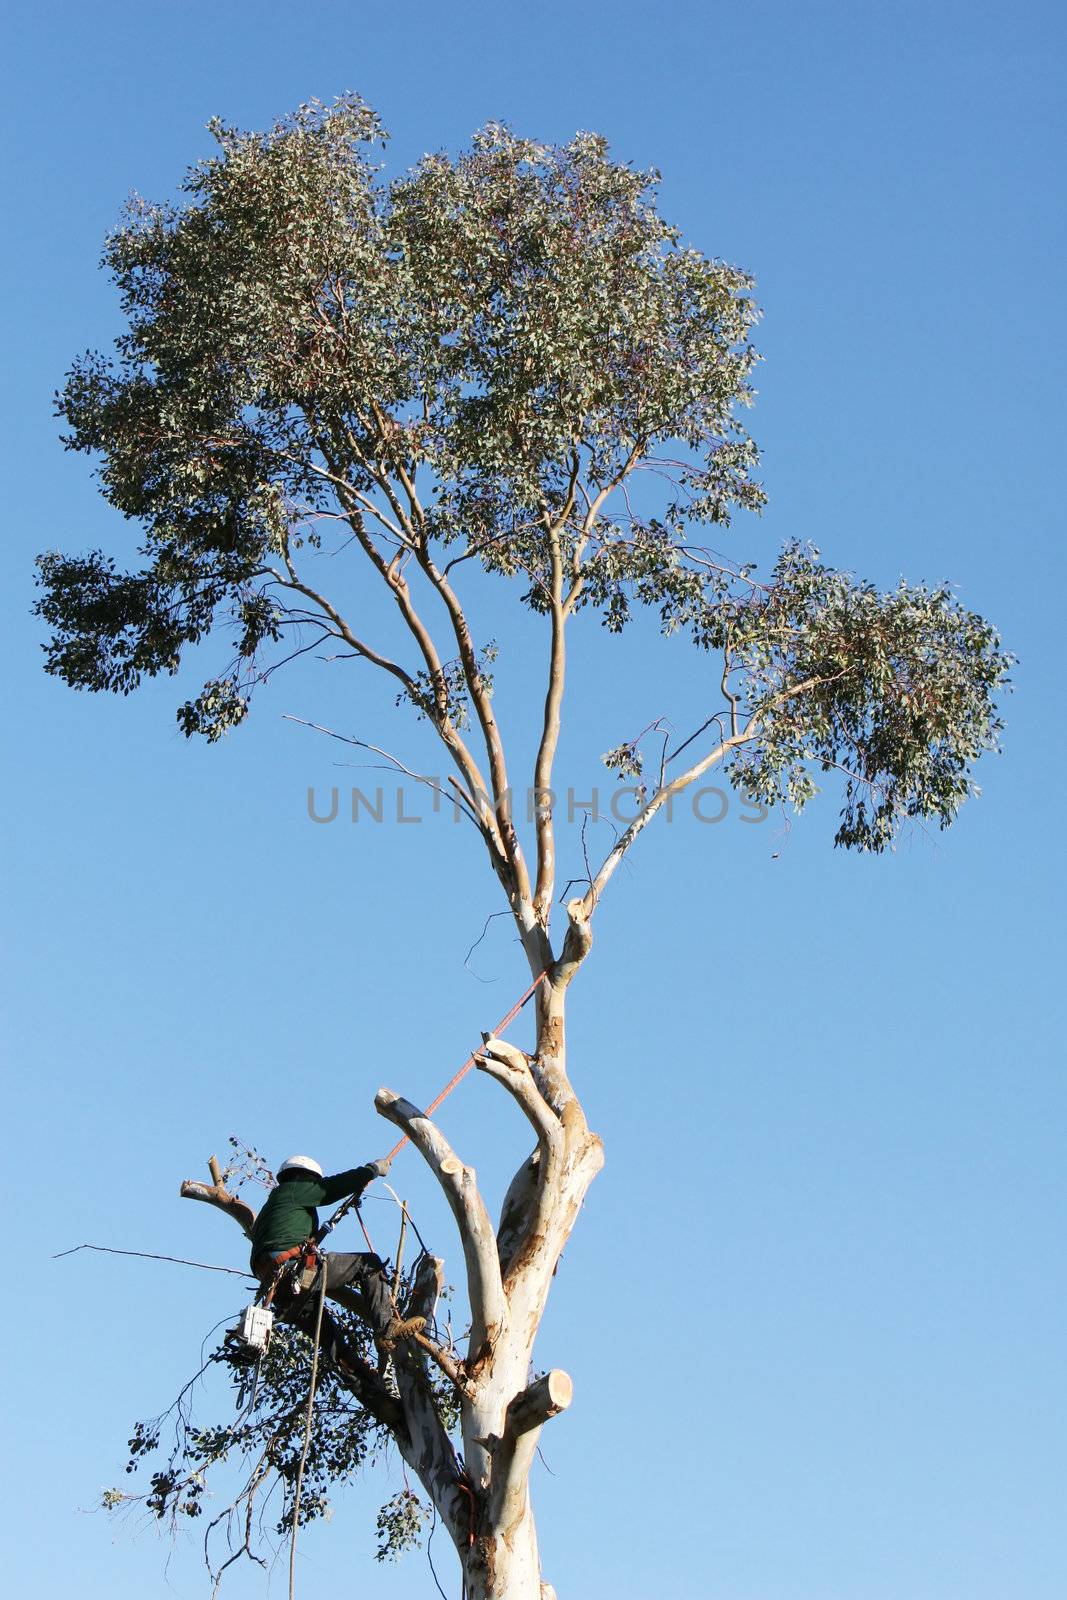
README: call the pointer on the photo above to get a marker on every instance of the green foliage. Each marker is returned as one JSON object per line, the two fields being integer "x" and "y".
{"x": 400, "y": 1523}
{"x": 903, "y": 696}
{"x": 626, "y": 759}
{"x": 218, "y": 707}
{"x": 449, "y": 687}
{"x": 468, "y": 356}
{"x": 234, "y": 1467}
{"x": 264, "y": 1438}
{"x": 294, "y": 323}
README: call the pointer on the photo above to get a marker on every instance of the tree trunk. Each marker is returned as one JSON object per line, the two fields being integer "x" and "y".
{"x": 502, "y": 1423}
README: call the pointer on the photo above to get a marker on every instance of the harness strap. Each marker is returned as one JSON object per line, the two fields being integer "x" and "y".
{"x": 270, "y": 1269}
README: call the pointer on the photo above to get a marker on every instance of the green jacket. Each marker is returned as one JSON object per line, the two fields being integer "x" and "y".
{"x": 290, "y": 1216}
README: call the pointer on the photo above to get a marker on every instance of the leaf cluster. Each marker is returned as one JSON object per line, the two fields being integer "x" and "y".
{"x": 300, "y": 334}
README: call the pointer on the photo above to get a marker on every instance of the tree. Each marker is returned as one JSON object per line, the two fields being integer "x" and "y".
{"x": 475, "y": 366}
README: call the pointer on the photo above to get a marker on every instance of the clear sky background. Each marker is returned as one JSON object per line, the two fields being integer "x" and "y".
{"x": 814, "y": 1307}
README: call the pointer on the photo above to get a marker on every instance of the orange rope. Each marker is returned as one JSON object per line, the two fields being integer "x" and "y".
{"x": 452, "y": 1082}
{"x": 471, "y": 1059}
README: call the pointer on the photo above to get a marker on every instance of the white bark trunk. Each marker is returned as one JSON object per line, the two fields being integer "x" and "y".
{"x": 502, "y": 1423}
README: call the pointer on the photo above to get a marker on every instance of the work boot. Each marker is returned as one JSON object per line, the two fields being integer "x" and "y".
{"x": 400, "y": 1328}
{"x": 404, "y": 1328}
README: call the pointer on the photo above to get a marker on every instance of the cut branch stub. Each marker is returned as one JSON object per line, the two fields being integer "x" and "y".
{"x": 545, "y": 1398}
{"x": 578, "y": 940}
{"x": 518, "y": 1210}
{"x": 525, "y": 1417}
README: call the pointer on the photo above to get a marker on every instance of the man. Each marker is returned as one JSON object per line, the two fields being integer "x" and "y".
{"x": 290, "y": 1217}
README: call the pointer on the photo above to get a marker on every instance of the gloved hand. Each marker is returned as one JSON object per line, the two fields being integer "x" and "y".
{"x": 380, "y": 1168}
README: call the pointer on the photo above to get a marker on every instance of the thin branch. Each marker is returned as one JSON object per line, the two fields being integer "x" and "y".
{"x": 492, "y": 917}
{"x": 399, "y": 588}
{"x": 148, "y": 1255}
{"x": 358, "y": 645}
{"x": 395, "y": 764}
{"x": 588, "y": 527}
{"x": 672, "y": 755}
{"x": 668, "y": 791}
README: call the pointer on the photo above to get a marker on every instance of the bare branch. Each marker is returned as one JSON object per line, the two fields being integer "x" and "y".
{"x": 668, "y": 791}
{"x": 483, "y": 707}
{"x": 511, "y": 1067}
{"x": 394, "y": 580}
{"x": 560, "y": 607}
{"x": 216, "y": 1194}
{"x": 546, "y": 751}
{"x": 426, "y": 1288}
{"x": 484, "y": 1285}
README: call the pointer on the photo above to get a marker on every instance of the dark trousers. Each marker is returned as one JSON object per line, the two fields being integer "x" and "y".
{"x": 363, "y": 1274}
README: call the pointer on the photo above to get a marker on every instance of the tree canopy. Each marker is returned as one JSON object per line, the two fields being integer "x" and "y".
{"x": 472, "y": 363}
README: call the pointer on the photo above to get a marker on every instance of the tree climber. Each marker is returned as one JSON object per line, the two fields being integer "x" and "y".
{"x": 289, "y": 1220}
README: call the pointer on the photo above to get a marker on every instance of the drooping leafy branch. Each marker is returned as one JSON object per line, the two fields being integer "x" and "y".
{"x": 238, "y": 1475}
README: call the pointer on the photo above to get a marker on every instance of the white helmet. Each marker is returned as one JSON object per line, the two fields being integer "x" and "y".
{"x": 300, "y": 1164}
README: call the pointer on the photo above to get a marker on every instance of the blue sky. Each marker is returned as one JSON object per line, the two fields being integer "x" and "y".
{"x": 814, "y": 1306}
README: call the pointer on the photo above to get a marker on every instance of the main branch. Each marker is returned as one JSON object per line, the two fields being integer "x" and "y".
{"x": 485, "y": 1289}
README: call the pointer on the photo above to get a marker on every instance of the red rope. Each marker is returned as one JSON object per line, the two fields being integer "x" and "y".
{"x": 451, "y": 1084}
{"x": 466, "y": 1489}
{"x": 471, "y": 1059}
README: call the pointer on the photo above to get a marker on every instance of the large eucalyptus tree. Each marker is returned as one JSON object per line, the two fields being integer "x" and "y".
{"x": 468, "y": 368}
